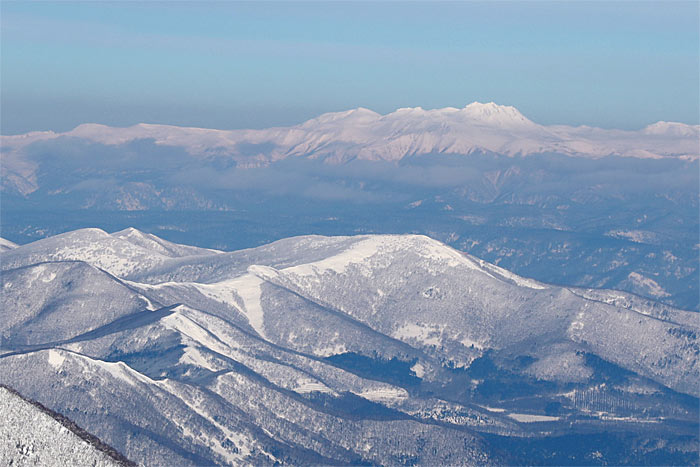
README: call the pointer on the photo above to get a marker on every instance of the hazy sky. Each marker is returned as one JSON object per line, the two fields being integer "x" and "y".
{"x": 251, "y": 65}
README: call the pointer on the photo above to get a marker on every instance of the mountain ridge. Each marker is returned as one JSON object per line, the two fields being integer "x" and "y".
{"x": 355, "y": 256}
{"x": 353, "y": 349}
{"x": 366, "y": 135}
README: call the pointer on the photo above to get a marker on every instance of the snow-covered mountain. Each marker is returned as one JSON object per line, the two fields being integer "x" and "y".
{"x": 366, "y": 135}
{"x": 387, "y": 349}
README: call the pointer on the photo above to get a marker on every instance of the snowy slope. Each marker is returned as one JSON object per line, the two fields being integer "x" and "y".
{"x": 53, "y": 301}
{"x": 32, "y": 436}
{"x": 6, "y": 245}
{"x": 322, "y": 350}
{"x": 414, "y": 290}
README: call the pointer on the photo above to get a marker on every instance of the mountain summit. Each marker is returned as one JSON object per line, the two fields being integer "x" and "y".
{"x": 494, "y": 114}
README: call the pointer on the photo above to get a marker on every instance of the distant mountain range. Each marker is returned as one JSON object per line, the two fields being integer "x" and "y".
{"x": 366, "y": 135}
{"x": 370, "y": 349}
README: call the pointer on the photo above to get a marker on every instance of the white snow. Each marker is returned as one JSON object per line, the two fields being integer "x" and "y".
{"x": 358, "y": 253}
{"x": 39, "y": 272}
{"x": 606, "y": 416}
{"x": 248, "y": 288}
{"x": 384, "y": 395}
{"x": 158, "y": 245}
{"x": 577, "y": 324}
{"x": 241, "y": 293}
{"x": 194, "y": 356}
{"x": 530, "y": 418}
{"x": 48, "y": 278}
{"x": 308, "y": 385}
{"x": 493, "y": 409}
{"x": 418, "y": 369}
{"x": 118, "y": 370}
{"x": 518, "y": 280}
{"x": 467, "y": 342}
{"x": 434, "y": 250}
{"x": 638, "y": 236}
{"x": 425, "y": 334}
{"x": 56, "y": 359}
{"x": 648, "y": 284}
{"x": 379, "y": 249}
{"x": 220, "y": 291}
{"x": 193, "y": 330}
{"x": 492, "y": 113}
{"x": 149, "y": 303}
{"x": 329, "y": 350}
{"x": 7, "y": 245}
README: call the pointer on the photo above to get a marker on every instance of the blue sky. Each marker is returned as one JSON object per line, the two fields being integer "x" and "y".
{"x": 252, "y": 65}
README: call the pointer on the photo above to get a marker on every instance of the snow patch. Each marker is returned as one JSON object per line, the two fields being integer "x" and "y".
{"x": 493, "y": 409}
{"x": 469, "y": 343}
{"x": 425, "y": 334}
{"x": 384, "y": 395}
{"x": 529, "y": 418}
{"x": 193, "y": 356}
{"x": 242, "y": 293}
{"x": 650, "y": 285}
{"x": 418, "y": 370}
{"x": 248, "y": 288}
{"x": 56, "y": 359}
{"x": 310, "y": 385}
{"x": 330, "y": 350}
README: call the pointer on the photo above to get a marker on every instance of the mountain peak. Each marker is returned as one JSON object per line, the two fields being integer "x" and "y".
{"x": 672, "y": 129}
{"x": 352, "y": 115}
{"x": 89, "y": 128}
{"x": 493, "y": 113}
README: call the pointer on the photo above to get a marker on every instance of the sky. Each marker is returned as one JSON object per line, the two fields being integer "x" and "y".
{"x": 253, "y": 65}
